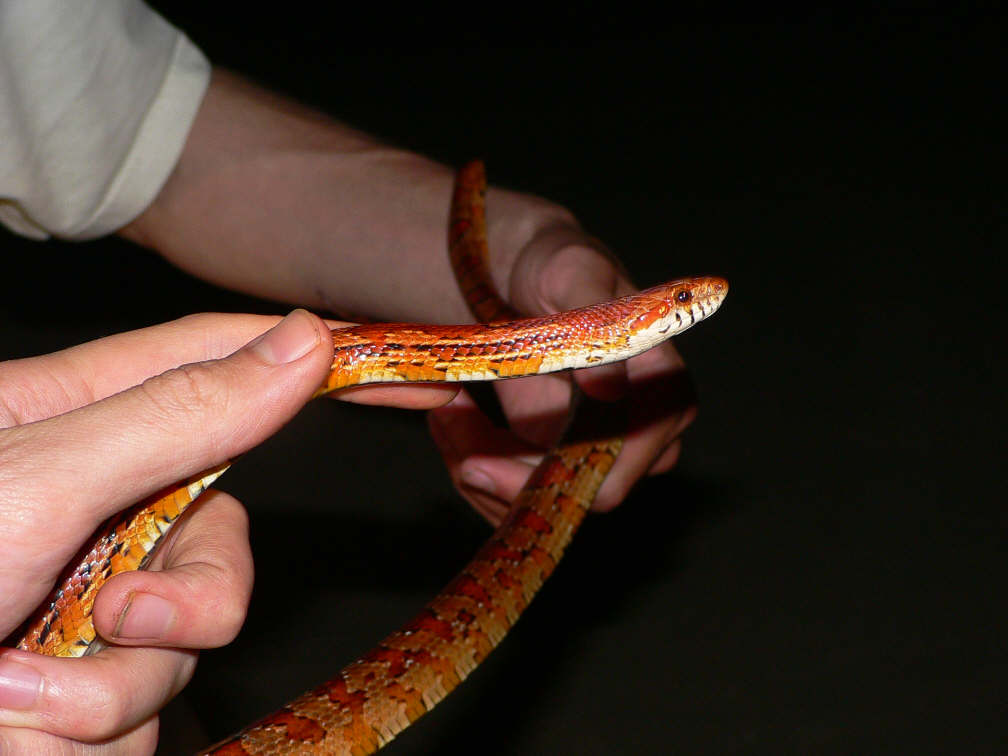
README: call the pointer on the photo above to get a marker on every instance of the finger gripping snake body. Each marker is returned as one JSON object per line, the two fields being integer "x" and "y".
{"x": 403, "y": 677}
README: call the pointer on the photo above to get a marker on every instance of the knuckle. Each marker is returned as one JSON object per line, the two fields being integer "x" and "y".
{"x": 232, "y": 609}
{"x": 189, "y": 389}
{"x": 217, "y": 618}
{"x": 210, "y": 574}
{"x": 540, "y": 216}
{"x": 224, "y": 609}
{"x": 104, "y": 716}
{"x": 37, "y": 388}
{"x": 543, "y": 214}
{"x": 230, "y": 619}
{"x": 23, "y": 401}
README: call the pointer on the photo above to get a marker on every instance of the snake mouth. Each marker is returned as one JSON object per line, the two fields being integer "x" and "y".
{"x": 709, "y": 293}
{"x": 714, "y": 287}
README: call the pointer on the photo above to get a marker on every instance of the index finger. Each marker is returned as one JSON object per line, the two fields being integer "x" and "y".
{"x": 37, "y": 388}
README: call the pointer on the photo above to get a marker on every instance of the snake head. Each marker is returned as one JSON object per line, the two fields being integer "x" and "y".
{"x": 670, "y": 308}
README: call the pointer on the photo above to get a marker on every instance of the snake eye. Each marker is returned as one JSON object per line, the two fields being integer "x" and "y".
{"x": 684, "y": 296}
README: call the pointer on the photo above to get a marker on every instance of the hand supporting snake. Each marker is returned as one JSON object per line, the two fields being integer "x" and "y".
{"x": 375, "y": 698}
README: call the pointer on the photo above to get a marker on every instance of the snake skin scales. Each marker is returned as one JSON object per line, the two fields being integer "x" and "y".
{"x": 404, "y": 676}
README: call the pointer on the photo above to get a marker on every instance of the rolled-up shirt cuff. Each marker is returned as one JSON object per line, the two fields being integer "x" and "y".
{"x": 88, "y": 199}
{"x": 157, "y": 147}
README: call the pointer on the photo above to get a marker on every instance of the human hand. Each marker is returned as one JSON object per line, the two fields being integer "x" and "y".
{"x": 264, "y": 188}
{"x": 561, "y": 268}
{"x": 81, "y": 440}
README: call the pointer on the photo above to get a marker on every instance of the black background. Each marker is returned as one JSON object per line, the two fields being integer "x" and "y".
{"x": 825, "y": 570}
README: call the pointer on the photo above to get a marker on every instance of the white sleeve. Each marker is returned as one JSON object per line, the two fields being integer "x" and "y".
{"x": 96, "y": 100}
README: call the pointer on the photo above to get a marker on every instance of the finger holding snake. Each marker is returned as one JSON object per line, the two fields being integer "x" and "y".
{"x": 282, "y": 202}
{"x": 194, "y": 598}
{"x": 81, "y": 441}
{"x": 561, "y": 268}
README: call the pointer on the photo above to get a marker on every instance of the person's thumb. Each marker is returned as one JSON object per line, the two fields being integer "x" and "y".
{"x": 110, "y": 454}
{"x": 564, "y": 269}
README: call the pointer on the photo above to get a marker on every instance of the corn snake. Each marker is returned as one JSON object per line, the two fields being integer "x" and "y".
{"x": 373, "y": 699}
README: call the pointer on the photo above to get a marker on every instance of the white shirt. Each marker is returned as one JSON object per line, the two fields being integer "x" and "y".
{"x": 96, "y": 100}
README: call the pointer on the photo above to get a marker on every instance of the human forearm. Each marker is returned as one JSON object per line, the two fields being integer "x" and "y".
{"x": 275, "y": 199}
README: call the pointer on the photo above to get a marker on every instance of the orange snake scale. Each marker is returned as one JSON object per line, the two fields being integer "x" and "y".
{"x": 373, "y": 699}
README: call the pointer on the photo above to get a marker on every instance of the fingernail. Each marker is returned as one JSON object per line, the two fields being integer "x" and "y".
{"x": 291, "y": 338}
{"x": 19, "y": 685}
{"x": 146, "y": 617}
{"x": 475, "y": 478}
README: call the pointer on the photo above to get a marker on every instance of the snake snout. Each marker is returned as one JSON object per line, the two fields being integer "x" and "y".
{"x": 713, "y": 289}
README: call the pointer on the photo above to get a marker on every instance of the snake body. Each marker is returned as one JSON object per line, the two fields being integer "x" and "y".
{"x": 590, "y": 336}
{"x": 376, "y": 697}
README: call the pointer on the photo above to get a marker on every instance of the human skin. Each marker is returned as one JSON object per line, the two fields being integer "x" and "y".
{"x": 92, "y": 429}
{"x": 274, "y": 199}
{"x": 278, "y": 200}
